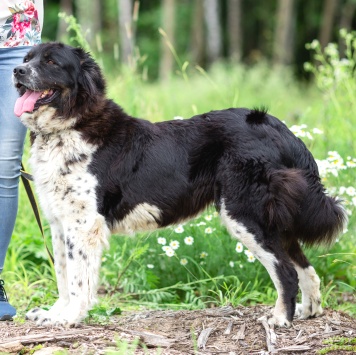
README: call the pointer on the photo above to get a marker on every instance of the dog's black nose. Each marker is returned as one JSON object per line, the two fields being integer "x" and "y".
{"x": 20, "y": 70}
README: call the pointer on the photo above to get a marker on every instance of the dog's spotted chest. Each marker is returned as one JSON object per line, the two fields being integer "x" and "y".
{"x": 65, "y": 186}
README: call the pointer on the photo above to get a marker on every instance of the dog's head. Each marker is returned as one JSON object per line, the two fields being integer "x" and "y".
{"x": 56, "y": 83}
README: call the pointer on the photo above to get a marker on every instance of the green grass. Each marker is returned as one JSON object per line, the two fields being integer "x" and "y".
{"x": 137, "y": 271}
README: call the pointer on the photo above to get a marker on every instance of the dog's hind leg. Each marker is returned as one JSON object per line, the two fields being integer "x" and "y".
{"x": 270, "y": 252}
{"x": 309, "y": 283}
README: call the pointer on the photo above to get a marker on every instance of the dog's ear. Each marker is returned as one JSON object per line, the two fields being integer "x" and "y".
{"x": 90, "y": 78}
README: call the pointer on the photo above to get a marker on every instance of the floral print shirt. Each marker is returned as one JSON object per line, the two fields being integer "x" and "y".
{"x": 20, "y": 22}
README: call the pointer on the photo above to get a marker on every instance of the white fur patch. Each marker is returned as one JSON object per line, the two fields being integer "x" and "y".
{"x": 143, "y": 217}
{"x": 309, "y": 284}
{"x": 45, "y": 120}
{"x": 65, "y": 187}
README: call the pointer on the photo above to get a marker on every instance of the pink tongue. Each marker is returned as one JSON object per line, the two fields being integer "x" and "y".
{"x": 26, "y": 103}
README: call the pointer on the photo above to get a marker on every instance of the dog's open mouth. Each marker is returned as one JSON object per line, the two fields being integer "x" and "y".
{"x": 32, "y": 100}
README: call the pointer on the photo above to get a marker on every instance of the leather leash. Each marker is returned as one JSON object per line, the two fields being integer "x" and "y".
{"x": 26, "y": 178}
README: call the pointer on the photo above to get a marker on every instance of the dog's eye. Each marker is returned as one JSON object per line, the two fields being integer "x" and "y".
{"x": 50, "y": 62}
{"x": 25, "y": 60}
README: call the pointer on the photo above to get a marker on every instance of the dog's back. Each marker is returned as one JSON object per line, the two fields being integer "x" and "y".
{"x": 238, "y": 154}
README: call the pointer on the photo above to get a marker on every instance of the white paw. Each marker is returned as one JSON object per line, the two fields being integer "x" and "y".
{"x": 55, "y": 321}
{"x": 312, "y": 309}
{"x": 56, "y": 316}
{"x": 299, "y": 312}
{"x": 44, "y": 318}
{"x": 279, "y": 321}
{"x": 36, "y": 314}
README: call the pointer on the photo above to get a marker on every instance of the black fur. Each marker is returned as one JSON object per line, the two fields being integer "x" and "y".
{"x": 246, "y": 162}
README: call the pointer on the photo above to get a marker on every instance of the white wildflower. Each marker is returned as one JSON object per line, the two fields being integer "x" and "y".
{"x": 161, "y": 240}
{"x": 351, "y": 191}
{"x": 351, "y": 163}
{"x": 183, "y": 261}
{"x": 250, "y": 258}
{"x": 179, "y": 229}
{"x": 239, "y": 247}
{"x": 174, "y": 244}
{"x": 169, "y": 251}
{"x": 188, "y": 240}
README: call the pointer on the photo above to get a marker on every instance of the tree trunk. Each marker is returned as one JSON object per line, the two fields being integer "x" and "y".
{"x": 89, "y": 17}
{"x": 213, "y": 30}
{"x": 66, "y": 7}
{"x": 197, "y": 33}
{"x": 168, "y": 26}
{"x": 126, "y": 31}
{"x": 234, "y": 29}
{"x": 329, "y": 11}
{"x": 284, "y": 35}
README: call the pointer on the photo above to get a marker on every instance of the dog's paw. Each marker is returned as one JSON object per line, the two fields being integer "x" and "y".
{"x": 312, "y": 309}
{"x": 36, "y": 314}
{"x": 51, "y": 319}
{"x": 279, "y": 321}
{"x": 69, "y": 316}
{"x": 57, "y": 322}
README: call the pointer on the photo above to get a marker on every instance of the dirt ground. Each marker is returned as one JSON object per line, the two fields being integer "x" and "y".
{"x": 225, "y": 330}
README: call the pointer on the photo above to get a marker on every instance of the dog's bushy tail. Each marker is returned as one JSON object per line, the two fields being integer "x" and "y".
{"x": 321, "y": 220}
{"x": 299, "y": 208}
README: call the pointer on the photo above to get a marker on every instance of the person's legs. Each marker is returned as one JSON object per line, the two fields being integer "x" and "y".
{"x": 12, "y": 135}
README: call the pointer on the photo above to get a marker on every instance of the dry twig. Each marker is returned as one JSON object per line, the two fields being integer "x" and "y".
{"x": 271, "y": 337}
{"x": 203, "y": 337}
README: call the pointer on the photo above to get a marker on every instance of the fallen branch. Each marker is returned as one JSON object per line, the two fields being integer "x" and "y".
{"x": 148, "y": 338}
{"x": 203, "y": 337}
{"x": 43, "y": 337}
{"x": 229, "y": 328}
{"x": 241, "y": 333}
{"x": 223, "y": 312}
{"x": 294, "y": 348}
{"x": 11, "y": 347}
{"x": 271, "y": 337}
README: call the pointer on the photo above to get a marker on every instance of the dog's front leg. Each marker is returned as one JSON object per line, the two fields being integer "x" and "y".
{"x": 60, "y": 265}
{"x": 84, "y": 243}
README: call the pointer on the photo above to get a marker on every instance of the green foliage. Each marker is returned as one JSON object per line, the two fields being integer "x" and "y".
{"x": 29, "y": 351}
{"x": 102, "y": 313}
{"x": 339, "y": 344}
{"x": 334, "y": 76}
{"x": 235, "y": 293}
{"x": 77, "y": 37}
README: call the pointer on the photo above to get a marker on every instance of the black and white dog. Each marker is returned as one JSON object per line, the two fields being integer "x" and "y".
{"x": 99, "y": 171}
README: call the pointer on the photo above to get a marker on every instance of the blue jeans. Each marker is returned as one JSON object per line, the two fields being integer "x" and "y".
{"x": 12, "y": 136}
